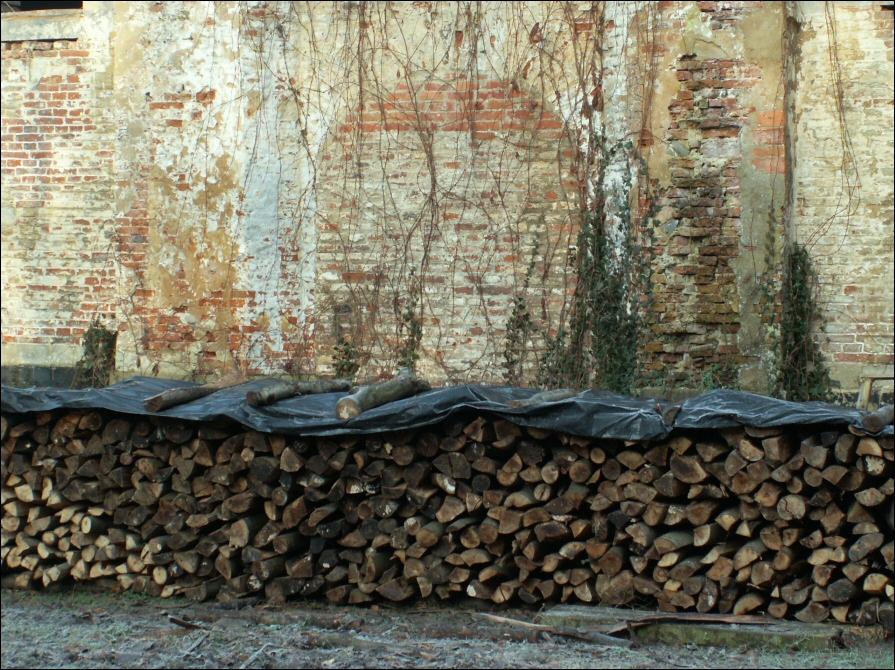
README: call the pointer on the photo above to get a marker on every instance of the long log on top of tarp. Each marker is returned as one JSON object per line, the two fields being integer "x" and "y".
{"x": 550, "y": 395}
{"x": 179, "y": 396}
{"x": 405, "y": 384}
{"x": 281, "y": 389}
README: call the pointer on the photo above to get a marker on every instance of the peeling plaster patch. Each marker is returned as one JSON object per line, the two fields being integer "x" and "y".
{"x": 701, "y": 39}
{"x": 718, "y": 149}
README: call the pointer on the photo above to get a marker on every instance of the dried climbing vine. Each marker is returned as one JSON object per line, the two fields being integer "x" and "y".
{"x": 452, "y": 224}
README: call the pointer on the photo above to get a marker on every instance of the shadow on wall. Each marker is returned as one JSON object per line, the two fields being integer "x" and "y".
{"x": 38, "y": 375}
{"x": 95, "y": 369}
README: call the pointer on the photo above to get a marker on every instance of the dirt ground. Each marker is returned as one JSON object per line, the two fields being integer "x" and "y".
{"x": 87, "y": 629}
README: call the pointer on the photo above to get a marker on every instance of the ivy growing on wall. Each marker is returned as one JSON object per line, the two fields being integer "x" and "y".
{"x": 803, "y": 373}
{"x": 410, "y": 327}
{"x": 520, "y": 327}
{"x": 98, "y": 357}
{"x": 346, "y": 358}
{"x": 601, "y": 345}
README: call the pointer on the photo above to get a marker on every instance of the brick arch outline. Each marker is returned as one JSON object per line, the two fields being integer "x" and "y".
{"x": 504, "y": 181}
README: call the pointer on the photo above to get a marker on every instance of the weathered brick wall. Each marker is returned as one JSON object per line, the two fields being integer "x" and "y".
{"x": 232, "y": 185}
{"x": 57, "y": 198}
{"x": 209, "y": 276}
{"x": 842, "y": 193}
{"x": 220, "y": 199}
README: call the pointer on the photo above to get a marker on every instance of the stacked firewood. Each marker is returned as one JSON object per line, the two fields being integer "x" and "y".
{"x": 793, "y": 522}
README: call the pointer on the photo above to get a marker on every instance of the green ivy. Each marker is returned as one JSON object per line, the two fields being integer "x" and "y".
{"x": 345, "y": 358}
{"x": 557, "y": 367}
{"x": 518, "y": 332}
{"x": 410, "y": 328}
{"x": 98, "y": 357}
{"x": 601, "y": 345}
{"x": 802, "y": 374}
{"x": 615, "y": 326}
{"x": 719, "y": 376}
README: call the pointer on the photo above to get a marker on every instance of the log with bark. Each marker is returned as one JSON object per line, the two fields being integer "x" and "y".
{"x": 550, "y": 395}
{"x": 179, "y": 396}
{"x": 281, "y": 390}
{"x": 403, "y": 385}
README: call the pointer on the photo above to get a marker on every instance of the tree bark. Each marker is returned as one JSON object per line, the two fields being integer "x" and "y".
{"x": 179, "y": 396}
{"x": 367, "y": 397}
{"x": 280, "y": 390}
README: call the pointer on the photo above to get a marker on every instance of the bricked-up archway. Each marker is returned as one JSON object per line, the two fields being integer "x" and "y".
{"x": 457, "y": 187}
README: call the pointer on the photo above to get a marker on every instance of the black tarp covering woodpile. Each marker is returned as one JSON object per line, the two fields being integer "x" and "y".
{"x": 589, "y": 413}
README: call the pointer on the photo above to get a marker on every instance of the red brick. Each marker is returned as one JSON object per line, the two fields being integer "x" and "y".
{"x": 776, "y": 117}
{"x": 166, "y": 105}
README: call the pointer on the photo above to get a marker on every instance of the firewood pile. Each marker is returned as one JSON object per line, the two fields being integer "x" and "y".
{"x": 794, "y": 522}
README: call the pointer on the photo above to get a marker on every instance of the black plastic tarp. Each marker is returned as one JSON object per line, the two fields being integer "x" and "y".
{"x": 589, "y": 413}
{"x": 728, "y": 409}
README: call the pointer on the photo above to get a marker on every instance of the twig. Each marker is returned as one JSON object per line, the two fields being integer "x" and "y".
{"x": 254, "y": 656}
{"x": 167, "y": 606}
{"x": 181, "y": 395}
{"x": 199, "y": 640}
{"x": 184, "y": 623}
{"x": 280, "y": 390}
